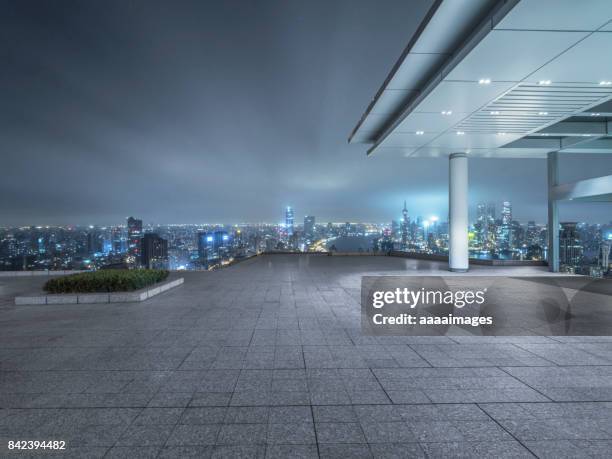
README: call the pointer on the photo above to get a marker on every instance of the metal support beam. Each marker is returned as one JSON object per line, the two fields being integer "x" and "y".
{"x": 596, "y": 128}
{"x": 458, "y": 256}
{"x": 596, "y": 189}
{"x": 553, "y": 212}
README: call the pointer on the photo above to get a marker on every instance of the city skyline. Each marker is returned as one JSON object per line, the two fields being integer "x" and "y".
{"x": 495, "y": 233}
{"x": 200, "y": 122}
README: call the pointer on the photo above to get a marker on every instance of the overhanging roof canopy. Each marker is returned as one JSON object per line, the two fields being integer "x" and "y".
{"x": 486, "y": 76}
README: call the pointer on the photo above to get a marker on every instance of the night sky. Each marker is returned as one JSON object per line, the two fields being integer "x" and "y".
{"x": 220, "y": 111}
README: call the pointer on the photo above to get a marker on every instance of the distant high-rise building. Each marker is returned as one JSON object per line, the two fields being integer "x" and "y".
{"x": 289, "y": 221}
{"x": 134, "y": 227}
{"x": 309, "y": 227}
{"x": 506, "y": 213}
{"x": 213, "y": 245}
{"x": 533, "y": 234}
{"x": 205, "y": 241}
{"x": 118, "y": 241}
{"x": 154, "y": 251}
{"x": 604, "y": 256}
{"x": 570, "y": 247}
{"x": 405, "y": 225}
{"x": 93, "y": 242}
{"x": 505, "y": 229}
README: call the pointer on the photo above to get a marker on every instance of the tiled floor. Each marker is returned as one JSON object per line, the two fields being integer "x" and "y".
{"x": 266, "y": 359}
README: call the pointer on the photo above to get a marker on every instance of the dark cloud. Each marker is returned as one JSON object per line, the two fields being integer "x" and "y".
{"x": 196, "y": 111}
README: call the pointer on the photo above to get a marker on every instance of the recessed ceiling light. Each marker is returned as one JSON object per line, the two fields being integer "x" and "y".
{"x": 484, "y": 81}
{"x": 545, "y": 135}
{"x": 447, "y": 112}
{"x": 460, "y": 133}
{"x": 605, "y": 83}
{"x": 495, "y": 113}
{"x": 544, "y": 82}
{"x": 595, "y": 114}
{"x": 585, "y": 135}
{"x": 501, "y": 133}
{"x": 419, "y": 132}
{"x": 542, "y": 113}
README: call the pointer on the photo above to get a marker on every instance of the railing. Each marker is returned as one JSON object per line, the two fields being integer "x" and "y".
{"x": 44, "y": 272}
{"x": 473, "y": 261}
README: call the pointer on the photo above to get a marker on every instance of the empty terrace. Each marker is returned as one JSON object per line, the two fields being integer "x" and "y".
{"x": 266, "y": 359}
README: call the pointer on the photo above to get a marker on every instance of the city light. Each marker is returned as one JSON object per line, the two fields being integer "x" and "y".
{"x": 214, "y": 246}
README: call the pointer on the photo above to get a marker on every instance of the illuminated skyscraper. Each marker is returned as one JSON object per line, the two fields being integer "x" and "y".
{"x": 485, "y": 226}
{"x": 154, "y": 251}
{"x": 405, "y": 224}
{"x": 134, "y": 235}
{"x": 213, "y": 245}
{"x": 309, "y": 226}
{"x": 570, "y": 246}
{"x": 505, "y": 230}
{"x": 604, "y": 256}
{"x": 289, "y": 221}
{"x": 506, "y": 213}
{"x": 118, "y": 240}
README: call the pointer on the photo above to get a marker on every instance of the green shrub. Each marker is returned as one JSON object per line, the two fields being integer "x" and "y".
{"x": 111, "y": 280}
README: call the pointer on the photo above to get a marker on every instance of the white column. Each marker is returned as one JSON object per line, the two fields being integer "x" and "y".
{"x": 458, "y": 213}
{"x": 553, "y": 212}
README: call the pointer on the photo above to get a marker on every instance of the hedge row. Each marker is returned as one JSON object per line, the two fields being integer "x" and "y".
{"x": 111, "y": 280}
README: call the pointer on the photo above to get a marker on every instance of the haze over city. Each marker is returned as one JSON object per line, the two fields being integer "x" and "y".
{"x": 221, "y": 112}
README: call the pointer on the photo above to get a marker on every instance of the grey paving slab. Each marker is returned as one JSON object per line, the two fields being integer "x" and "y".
{"x": 267, "y": 359}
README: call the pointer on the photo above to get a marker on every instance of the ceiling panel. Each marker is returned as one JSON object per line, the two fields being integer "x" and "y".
{"x": 406, "y": 140}
{"x": 414, "y": 70}
{"x": 588, "y": 62}
{"x": 363, "y": 137}
{"x": 395, "y": 151}
{"x": 390, "y": 101}
{"x": 506, "y": 55}
{"x": 433, "y": 152}
{"x": 529, "y": 107}
{"x": 461, "y": 97}
{"x": 373, "y": 122}
{"x": 468, "y": 141}
{"x": 429, "y": 122}
{"x": 557, "y": 15}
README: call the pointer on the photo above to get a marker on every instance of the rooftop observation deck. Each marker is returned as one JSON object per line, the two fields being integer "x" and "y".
{"x": 266, "y": 359}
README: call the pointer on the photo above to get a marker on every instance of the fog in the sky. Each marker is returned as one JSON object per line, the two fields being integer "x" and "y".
{"x": 220, "y": 111}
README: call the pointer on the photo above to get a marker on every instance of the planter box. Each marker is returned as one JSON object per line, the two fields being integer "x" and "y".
{"x": 62, "y": 298}
{"x": 98, "y": 298}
